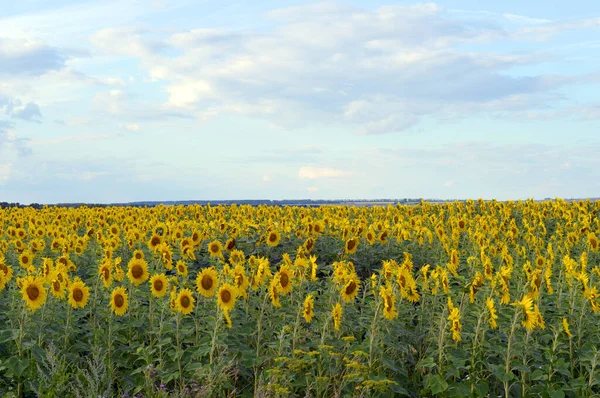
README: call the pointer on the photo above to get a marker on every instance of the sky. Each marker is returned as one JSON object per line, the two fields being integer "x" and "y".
{"x": 131, "y": 100}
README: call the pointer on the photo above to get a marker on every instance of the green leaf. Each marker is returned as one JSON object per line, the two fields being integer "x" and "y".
{"x": 16, "y": 366}
{"x": 482, "y": 388}
{"x": 428, "y": 362}
{"x": 556, "y": 393}
{"x": 436, "y": 384}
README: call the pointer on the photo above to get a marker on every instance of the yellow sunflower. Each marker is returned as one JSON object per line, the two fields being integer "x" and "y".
{"x": 182, "y": 268}
{"x": 207, "y": 282}
{"x": 138, "y": 271}
{"x": 159, "y": 285}
{"x": 273, "y": 238}
{"x": 138, "y": 254}
{"x": 33, "y": 291}
{"x": 79, "y": 294}
{"x": 185, "y": 301}
{"x": 230, "y": 244}
{"x": 154, "y": 242}
{"x": 308, "y": 309}
{"x": 57, "y": 289}
{"x": 226, "y": 297}
{"x": 336, "y": 314}
{"x": 26, "y": 259}
{"x": 104, "y": 271}
{"x": 119, "y": 301}
{"x": 350, "y": 289}
{"x": 351, "y": 245}
{"x": 285, "y": 279}
{"x": 215, "y": 249}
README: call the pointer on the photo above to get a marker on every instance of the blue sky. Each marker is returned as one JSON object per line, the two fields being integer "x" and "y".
{"x": 123, "y": 100}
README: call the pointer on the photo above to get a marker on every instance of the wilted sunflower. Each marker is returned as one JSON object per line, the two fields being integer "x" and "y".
{"x": 119, "y": 301}
{"x": 159, "y": 285}
{"x": 308, "y": 309}
{"x": 226, "y": 297}
{"x": 138, "y": 271}
{"x": 185, "y": 301}
{"x": 79, "y": 294}
{"x": 33, "y": 291}
{"x": 351, "y": 245}
{"x": 207, "y": 282}
{"x": 215, "y": 249}
{"x": 273, "y": 238}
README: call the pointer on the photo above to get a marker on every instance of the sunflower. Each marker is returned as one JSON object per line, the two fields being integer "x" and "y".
{"x": 207, "y": 282}
{"x": 154, "y": 242}
{"x": 226, "y": 297}
{"x": 285, "y": 279}
{"x": 57, "y": 289}
{"x": 308, "y": 309}
{"x": 6, "y": 270}
{"x": 241, "y": 280}
{"x": 351, "y": 245}
{"x": 230, "y": 244}
{"x": 593, "y": 241}
{"x": 389, "y": 307}
{"x": 215, "y": 249}
{"x": 138, "y": 254}
{"x": 138, "y": 271}
{"x": 104, "y": 271}
{"x": 350, "y": 289}
{"x": 336, "y": 314}
{"x": 273, "y": 291}
{"x": 273, "y": 238}
{"x": 184, "y": 302}
{"x": 182, "y": 268}
{"x": 118, "y": 301}
{"x": 159, "y": 285}
{"x": 33, "y": 291}
{"x": 26, "y": 259}
{"x": 79, "y": 294}
{"x": 370, "y": 237}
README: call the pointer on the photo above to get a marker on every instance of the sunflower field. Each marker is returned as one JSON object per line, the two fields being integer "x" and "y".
{"x": 476, "y": 298}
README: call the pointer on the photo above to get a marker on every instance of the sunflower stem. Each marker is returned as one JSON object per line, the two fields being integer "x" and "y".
{"x": 214, "y": 336}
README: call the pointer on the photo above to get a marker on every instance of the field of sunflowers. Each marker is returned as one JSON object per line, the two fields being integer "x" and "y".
{"x": 476, "y": 298}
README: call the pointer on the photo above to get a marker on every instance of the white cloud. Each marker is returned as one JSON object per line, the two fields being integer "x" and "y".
{"x": 312, "y": 189}
{"x": 377, "y": 70}
{"x": 5, "y": 170}
{"x": 311, "y": 173}
{"x": 131, "y": 127}
{"x": 267, "y": 178}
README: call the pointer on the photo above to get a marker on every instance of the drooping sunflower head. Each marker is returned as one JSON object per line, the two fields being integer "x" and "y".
{"x": 226, "y": 297}
{"x": 79, "y": 294}
{"x": 138, "y": 271}
{"x": 159, "y": 285}
{"x": 119, "y": 301}
{"x": 185, "y": 301}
